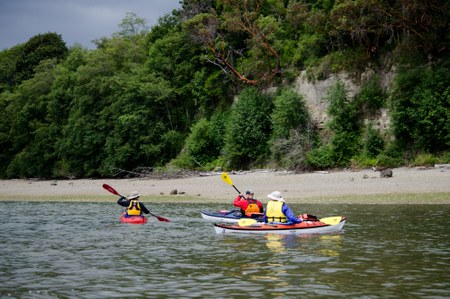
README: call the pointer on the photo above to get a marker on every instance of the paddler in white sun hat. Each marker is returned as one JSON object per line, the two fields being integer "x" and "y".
{"x": 133, "y": 205}
{"x": 278, "y": 211}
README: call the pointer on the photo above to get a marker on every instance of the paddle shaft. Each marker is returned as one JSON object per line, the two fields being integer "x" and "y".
{"x": 113, "y": 191}
{"x": 236, "y": 189}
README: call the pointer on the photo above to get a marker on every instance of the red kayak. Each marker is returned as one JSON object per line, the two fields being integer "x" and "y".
{"x": 133, "y": 219}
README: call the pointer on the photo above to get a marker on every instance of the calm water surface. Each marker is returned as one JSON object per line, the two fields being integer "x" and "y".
{"x": 81, "y": 250}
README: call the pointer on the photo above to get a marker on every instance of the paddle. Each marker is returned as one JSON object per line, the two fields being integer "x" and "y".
{"x": 246, "y": 222}
{"x": 227, "y": 180}
{"x": 113, "y": 191}
{"x": 331, "y": 220}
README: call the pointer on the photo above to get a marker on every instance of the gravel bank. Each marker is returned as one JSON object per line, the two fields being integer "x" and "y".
{"x": 408, "y": 185}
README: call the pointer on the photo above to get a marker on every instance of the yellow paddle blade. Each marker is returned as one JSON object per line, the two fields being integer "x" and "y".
{"x": 246, "y": 222}
{"x": 226, "y": 178}
{"x": 331, "y": 220}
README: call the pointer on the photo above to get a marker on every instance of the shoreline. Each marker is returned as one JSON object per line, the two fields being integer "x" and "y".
{"x": 407, "y": 186}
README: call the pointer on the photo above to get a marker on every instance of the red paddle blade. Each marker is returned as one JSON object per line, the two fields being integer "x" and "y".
{"x": 110, "y": 189}
{"x": 162, "y": 219}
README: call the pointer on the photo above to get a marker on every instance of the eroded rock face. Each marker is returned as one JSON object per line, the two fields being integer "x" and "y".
{"x": 315, "y": 93}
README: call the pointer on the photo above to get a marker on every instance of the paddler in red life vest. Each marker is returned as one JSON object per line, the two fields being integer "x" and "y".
{"x": 249, "y": 206}
{"x": 278, "y": 211}
{"x": 134, "y": 207}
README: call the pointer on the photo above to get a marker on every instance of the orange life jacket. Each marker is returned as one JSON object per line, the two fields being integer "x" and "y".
{"x": 252, "y": 207}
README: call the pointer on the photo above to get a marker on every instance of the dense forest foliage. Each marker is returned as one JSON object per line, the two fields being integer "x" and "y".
{"x": 212, "y": 85}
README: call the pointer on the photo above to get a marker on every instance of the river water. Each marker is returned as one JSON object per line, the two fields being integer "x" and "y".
{"x": 81, "y": 250}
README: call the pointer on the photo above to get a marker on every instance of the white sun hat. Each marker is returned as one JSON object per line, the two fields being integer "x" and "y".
{"x": 134, "y": 195}
{"x": 275, "y": 195}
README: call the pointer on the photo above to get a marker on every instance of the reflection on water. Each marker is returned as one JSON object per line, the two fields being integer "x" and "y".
{"x": 81, "y": 250}
{"x": 276, "y": 242}
{"x": 329, "y": 245}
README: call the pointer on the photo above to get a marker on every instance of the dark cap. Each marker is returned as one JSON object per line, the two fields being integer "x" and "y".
{"x": 249, "y": 192}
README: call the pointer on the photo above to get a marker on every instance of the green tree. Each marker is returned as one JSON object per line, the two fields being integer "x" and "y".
{"x": 38, "y": 48}
{"x": 146, "y": 96}
{"x": 132, "y": 25}
{"x": 8, "y": 61}
{"x": 344, "y": 129}
{"x": 123, "y": 115}
{"x": 141, "y": 134}
{"x": 204, "y": 143}
{"x": 293, "y": 133}
{"x": 174, "y": 59}
{"x": 254, "y": 19}
{"x": 249, "y": 129}
{"x": 344, "y": 124}
{"x": 199, "y": 148}
{"x": 29, "y": 135}
{"x": 373, "y": 143}
{"x": 371, "y": 98}
{"x": 290, "y": 112}
{"x": 420, "y": 109}
{"x": 84, "y": 133}
{"x": 240, "y": 38}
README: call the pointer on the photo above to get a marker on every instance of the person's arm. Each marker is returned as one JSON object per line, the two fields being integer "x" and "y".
{"x": 239, "y": 202}
{"x": 123, "y": 201}
{"x": 289, "y": 214}
{"x": 260, "y": 205}
{"x": 144, "y": 209}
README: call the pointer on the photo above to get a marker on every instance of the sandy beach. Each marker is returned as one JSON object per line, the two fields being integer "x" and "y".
{"x": 417, "y": 185}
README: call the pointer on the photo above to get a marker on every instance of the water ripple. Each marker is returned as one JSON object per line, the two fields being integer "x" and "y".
{"x": 81, "y": 250}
